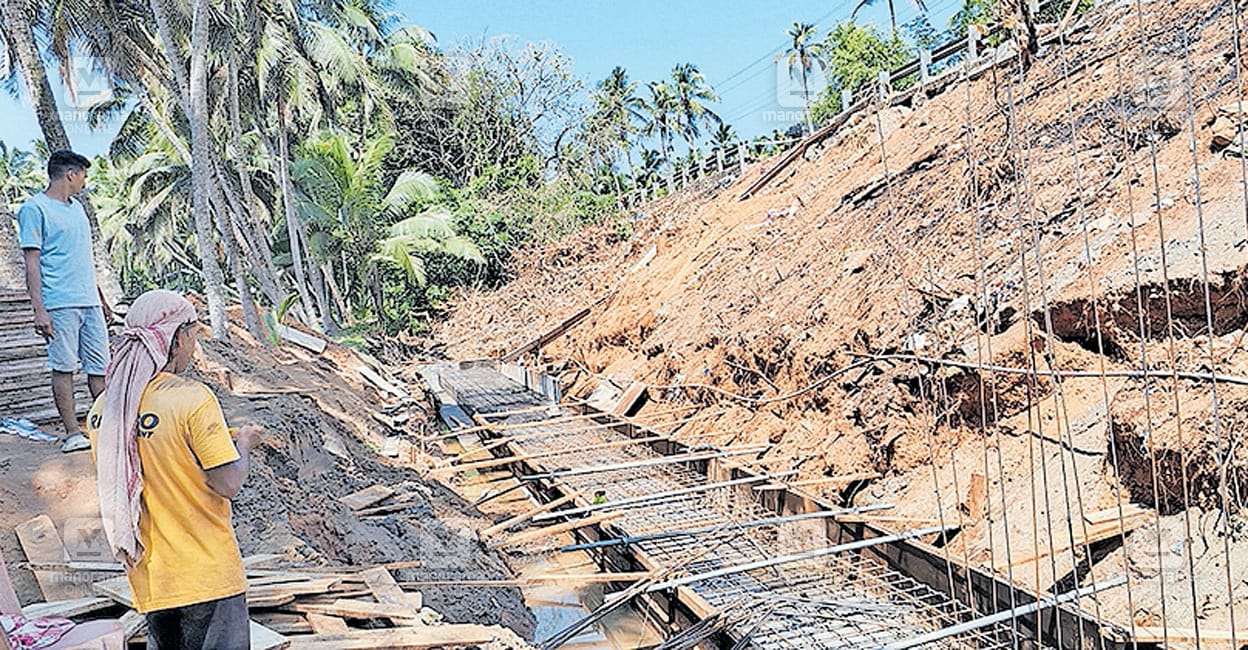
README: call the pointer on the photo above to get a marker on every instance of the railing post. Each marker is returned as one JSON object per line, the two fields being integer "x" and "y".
{"x": 925, "y": 62}
{"x": 741, "y": 156}
{"x": 847, "y": 99}
{"x": 719, "y": 158}
{"x": 972, "y": 42}
{"x": 884, "y": 85}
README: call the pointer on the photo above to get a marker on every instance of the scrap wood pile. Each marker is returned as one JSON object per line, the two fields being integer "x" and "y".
{"x": 290, "y": 607}
{"x": 25, "y": 364}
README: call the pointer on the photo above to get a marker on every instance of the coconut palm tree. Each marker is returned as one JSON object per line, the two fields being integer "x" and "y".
{"x": 803, "y": 55}
{"x": 892, "y": 11}
{"x": 618, "y": 110}
{"x": 353, "y": 214}
{"x": 19, "y": 177}
{"x": 723, "y": 137}
{"x": 661, "y": 108}
{"x": 692, "y": 94}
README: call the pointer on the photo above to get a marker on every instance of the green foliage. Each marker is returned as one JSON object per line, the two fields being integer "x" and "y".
{"x": 921, "y": 32}
{"x": 1055, "y": 11}
{"x": 855, "y": 55}
{"x": 20, "y": 177}
{"x": 972, "y": 12}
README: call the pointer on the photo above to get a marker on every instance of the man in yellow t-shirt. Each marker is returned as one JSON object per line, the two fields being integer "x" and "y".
{"x": 188, "y": 578}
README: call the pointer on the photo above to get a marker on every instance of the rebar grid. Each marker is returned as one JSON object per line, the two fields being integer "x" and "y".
{"x": 834, "y": 601}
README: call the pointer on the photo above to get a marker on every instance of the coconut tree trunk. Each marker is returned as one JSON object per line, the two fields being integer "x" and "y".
{"x": 251, "y": 315}
{"x": 201, "y": 170}
{"x": 288, "y": 204}
{"x": 810, "y": 124}
{"x": 253, "y": 237}
{"x": 21, "y": 38}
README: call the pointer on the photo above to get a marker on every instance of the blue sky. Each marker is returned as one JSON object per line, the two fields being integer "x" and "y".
{"x": 735, "y": 45}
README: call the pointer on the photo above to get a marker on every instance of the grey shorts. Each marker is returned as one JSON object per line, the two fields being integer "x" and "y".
{"x": 215, "y": 625}
{"x": 79, "y": 340}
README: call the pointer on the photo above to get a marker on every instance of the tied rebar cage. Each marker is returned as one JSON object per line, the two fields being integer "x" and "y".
{"x": 784, "y": 582}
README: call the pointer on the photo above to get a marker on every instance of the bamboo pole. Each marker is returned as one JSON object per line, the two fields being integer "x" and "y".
{"x": 652, "y": 462}
{"x": 539, "y": 533}
{"x": 559, "y": 420}
{"x": 547, "y": 507}
{"x": 845, "y": 478}
{"x": 507, "y": 460}
{"x": 795, "y": 557}
{"x": 584, "y": 578}
{"x": 652, "y": 498}
{"x": 570, "y": 431}
{"x": 757, "y": 523}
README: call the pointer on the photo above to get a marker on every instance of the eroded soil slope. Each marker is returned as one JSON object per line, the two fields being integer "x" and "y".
{"x": 877, "y": 309}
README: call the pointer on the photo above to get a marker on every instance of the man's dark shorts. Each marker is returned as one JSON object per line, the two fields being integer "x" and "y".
{"x": 214, "y": 625}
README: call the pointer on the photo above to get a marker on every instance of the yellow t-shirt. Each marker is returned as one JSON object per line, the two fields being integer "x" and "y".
{"x": 191, "y": 554}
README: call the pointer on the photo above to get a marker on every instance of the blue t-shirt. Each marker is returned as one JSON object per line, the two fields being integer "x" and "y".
{"x": 62, "y": 234}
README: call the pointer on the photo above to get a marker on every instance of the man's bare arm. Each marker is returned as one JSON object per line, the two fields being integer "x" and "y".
{"x": 228, "y": 479}
{"x": 34, "y": 285}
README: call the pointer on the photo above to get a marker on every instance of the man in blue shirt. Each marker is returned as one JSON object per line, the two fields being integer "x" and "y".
{"x": 70, "y": 312}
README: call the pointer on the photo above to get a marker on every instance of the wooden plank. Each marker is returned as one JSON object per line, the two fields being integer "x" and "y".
{"x": 301, "y": 339}
{"x": 388, "y": 592}
{"x": 323, "y": 624}
{"x": 283, "y": 623}
{"x": 977, "y": 496}
{"x": 1129, "y": 510}
{"x": 118, "y": 589}
{"x": 132, "y": 624}
{"x": 525, "y": 516}
{"x": 1095, "y": 533}
{"x": 629, "y": 399}
{"x": 379, "y": 382}
{"x": 354, "y": 609}
{"x": 539, "y": 533}
{"x": 361, "y": 499}
{"x": 538, "y": 343}
{"x": 1211, "y": 638}
{"x": 259, "y": 560}
{"x": 402, "y": 638}
{"x": 43, "y": 545}
{"x": 301, "y": 588}
{"x": 262, "y": 638}
{"x": 68, "y": 608}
